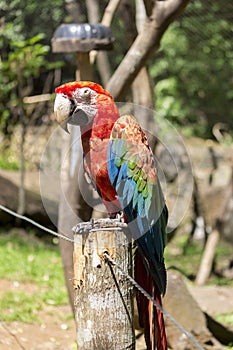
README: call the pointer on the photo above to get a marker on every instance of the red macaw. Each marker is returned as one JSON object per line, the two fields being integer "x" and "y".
{"x": 120, "y": 163}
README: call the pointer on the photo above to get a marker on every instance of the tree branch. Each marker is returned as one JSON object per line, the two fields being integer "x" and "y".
{"x": 148, "y": 6}
{"x": 109, "y": 12}
{"x": 173, "y": 8}
{"x": 105, "y": 70}
{"x": 128, "y": 16}
{"x": 146, "y": 43}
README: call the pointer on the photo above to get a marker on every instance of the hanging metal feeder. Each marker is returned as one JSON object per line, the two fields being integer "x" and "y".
{"x": 82, "y": 37}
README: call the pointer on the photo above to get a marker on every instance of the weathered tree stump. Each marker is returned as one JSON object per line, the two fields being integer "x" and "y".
{"x": 103, "y": 298}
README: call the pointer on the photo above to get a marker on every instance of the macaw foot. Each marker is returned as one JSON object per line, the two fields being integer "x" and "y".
{"x": 116, "y": 216}
{"x": 116, "y": 219}
{"x": 106, "y": 236}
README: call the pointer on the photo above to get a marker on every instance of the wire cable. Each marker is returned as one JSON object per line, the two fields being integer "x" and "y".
{"x": 150, "y": 298}
{"x": 25, "y": 218}
{"x": 114, "y": 263}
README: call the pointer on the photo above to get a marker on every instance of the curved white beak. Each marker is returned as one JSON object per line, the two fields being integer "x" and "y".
{"x": 62, "y": 106}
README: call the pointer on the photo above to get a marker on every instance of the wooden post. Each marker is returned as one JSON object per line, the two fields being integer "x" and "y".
{"x": 84, "y": 68}
{"x": 103, "y": 297}
{"x": 70, "y": 198}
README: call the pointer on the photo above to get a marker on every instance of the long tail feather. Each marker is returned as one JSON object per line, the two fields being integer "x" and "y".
{"x": 150, "y": 317}
{"x": 160, "y": 334}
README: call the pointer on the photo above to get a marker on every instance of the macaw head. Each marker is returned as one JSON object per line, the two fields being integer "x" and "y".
{"x": 77, "y": 103}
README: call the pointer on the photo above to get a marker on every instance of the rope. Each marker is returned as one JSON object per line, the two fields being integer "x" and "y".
{"x": 25, "y": 218}
{"x": 121, "y": 296}
{"x": 150, "y": 298}
{"x": 110, "y": 260}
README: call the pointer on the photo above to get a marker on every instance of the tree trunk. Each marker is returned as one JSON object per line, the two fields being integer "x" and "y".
{"x": 101, "y": 56}
{"x": 225, "y": 213}
{"x": 93, "y": 12}
{"x": 146, "y": 43}
{"x": 22, "y": 199}
{"x": 71, "y": 204}
{"x": 208, "y": 258}
{"x": 103, "y": 297}
{"x": 65, "y": 219}
{"x": 74, "y": 10}
{"x": 143, "y": 96}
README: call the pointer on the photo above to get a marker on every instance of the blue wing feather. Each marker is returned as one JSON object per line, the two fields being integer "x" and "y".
{"x": 141, "y": 198}
{"x": 113, "y": 170}
{"x": 123, "y": 172}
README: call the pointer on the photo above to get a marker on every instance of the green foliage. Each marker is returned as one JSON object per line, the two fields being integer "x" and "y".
{"x": 25, "y": 58}
{"x": 23, "y": 63}
{"x": 30, "y": 253}
{"x": 226, "y": 318}
{"x": 18, "y": 306}
{"x": 187, "y": 263}
{"x": 7, "y": 161}
{"x": 192, "y": 73}
{"x": 31, "y": 17}
{"x": 25, "y": 259}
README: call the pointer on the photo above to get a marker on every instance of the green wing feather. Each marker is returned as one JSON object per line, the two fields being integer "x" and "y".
{"x": 132, "y": 172}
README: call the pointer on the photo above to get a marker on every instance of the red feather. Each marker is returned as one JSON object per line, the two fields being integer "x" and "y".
{"x": 150, "y": 317}
{"x": 68, "y": 88}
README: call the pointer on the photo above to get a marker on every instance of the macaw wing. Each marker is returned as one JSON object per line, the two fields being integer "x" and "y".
{"x": 132, "y": 173}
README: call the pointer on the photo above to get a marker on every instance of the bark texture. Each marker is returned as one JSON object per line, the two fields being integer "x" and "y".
{"x": 103, "y": 297}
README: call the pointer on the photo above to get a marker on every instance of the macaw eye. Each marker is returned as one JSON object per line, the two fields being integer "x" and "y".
{"x": 86, "y": 92}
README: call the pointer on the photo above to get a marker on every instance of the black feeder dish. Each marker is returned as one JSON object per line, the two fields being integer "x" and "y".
{"x": 82, "y": 37}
